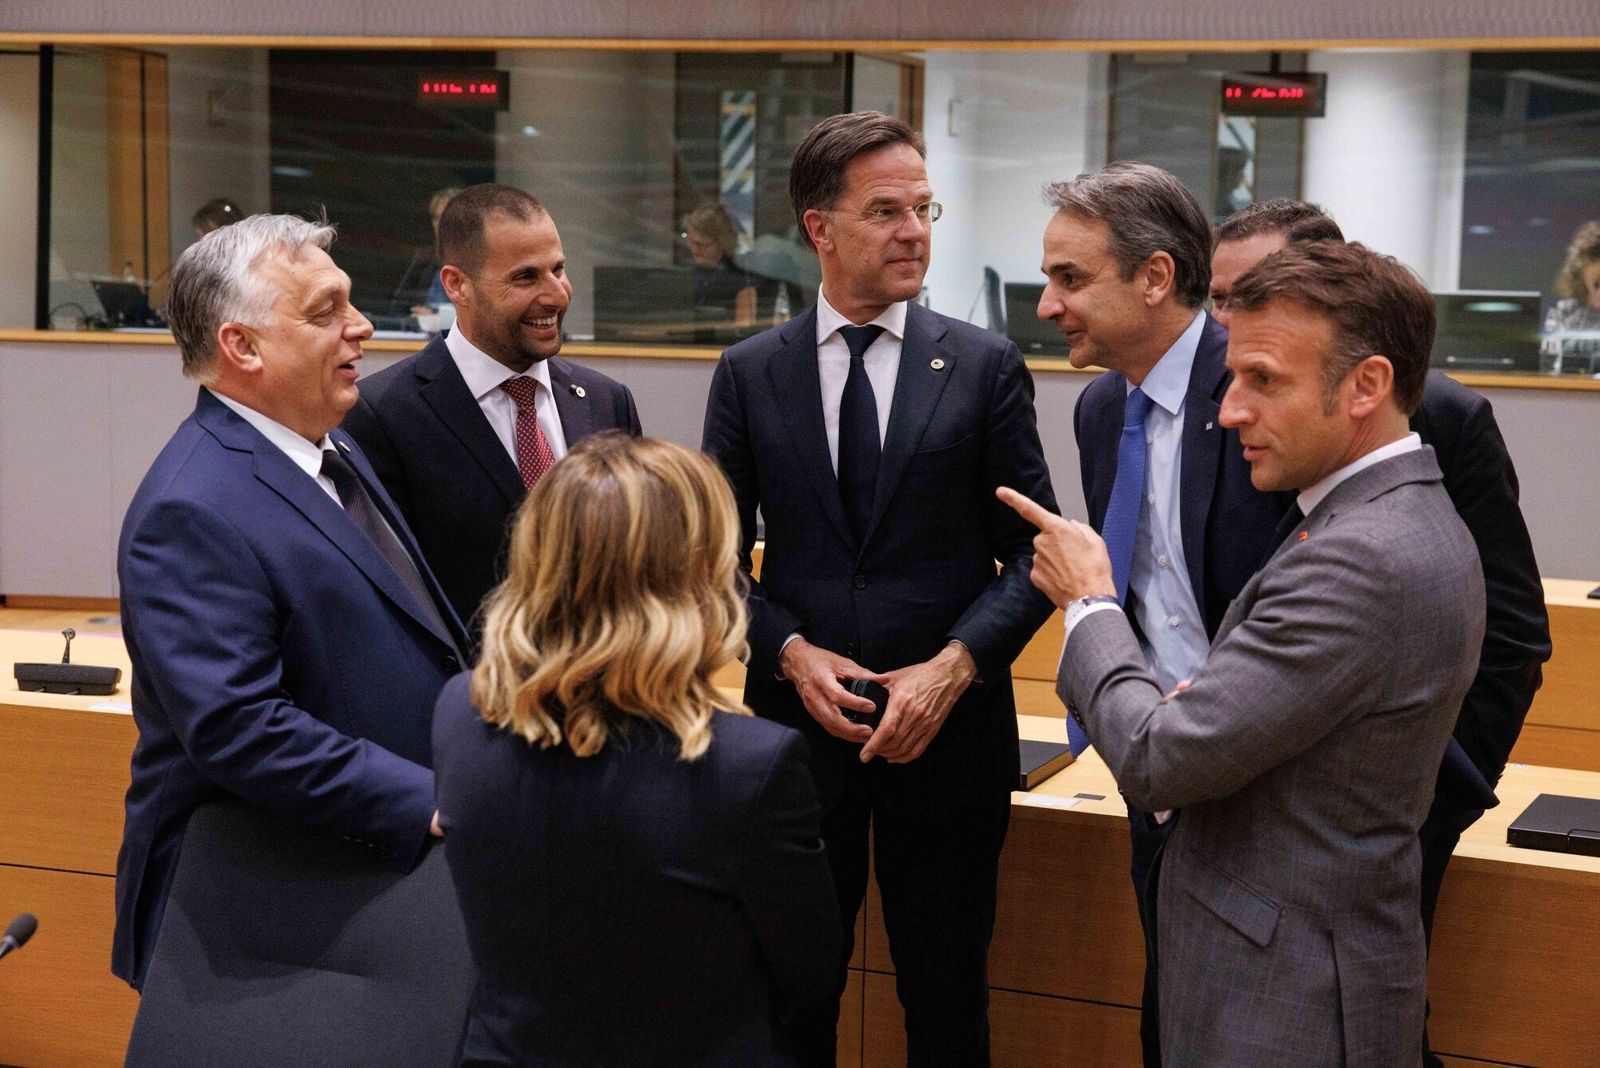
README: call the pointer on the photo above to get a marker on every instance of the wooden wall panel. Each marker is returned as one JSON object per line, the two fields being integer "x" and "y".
{"x": 60, "y": 1006}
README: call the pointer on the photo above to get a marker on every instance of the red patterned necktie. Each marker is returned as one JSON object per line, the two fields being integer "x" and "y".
{"x": 534, "y": 456}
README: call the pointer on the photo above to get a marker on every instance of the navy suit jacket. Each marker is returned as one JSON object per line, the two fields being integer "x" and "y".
{"x": 694, "y": 899}
{"x": 961, "y": 423}
{"x": 452, "y": 478}
{"x": 1228, "y": 527}
{"x": 277, "y": 657}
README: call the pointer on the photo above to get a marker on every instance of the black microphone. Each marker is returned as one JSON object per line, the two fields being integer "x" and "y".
{"x": 18, "y": 933}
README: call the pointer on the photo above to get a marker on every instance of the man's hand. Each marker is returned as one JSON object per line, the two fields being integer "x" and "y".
{"x": 434, "y": 828}
{"x": 1069, "y": 559}
{"x": 920, "y": 698}
{"x": 816, "y": 674}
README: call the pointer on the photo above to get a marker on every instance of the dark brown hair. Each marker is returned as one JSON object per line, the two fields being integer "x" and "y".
{"x": 461, "y": 242}
{"x": 1147, "y": 211}
{"x": 1375, "y": 304}
{"x": 816, "y": 174}
{"x": 1296, "y": 220}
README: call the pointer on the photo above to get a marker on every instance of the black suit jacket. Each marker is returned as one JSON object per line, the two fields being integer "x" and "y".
{"x": 1228, "y": 525}
{"x": 961, "y": 423}
{"x": 629, "y": 908}
{"x": 441, "y": 462}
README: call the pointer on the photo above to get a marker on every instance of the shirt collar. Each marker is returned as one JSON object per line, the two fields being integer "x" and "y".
{"x": 306, "y": 456}
{"x": 892, "y": 319}
{"x": 1315, "y": 494}
{"x": 482, "y": 372}
{"x": 1168, "y": 381}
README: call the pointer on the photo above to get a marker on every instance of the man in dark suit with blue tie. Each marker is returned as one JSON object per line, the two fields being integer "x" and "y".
{"x": 871, "y": 433}
{"x": 462, "y": 430}
{"x": 287, "y": 639}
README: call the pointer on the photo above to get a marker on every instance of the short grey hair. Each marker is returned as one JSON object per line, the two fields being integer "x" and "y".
{"x": 214, "y": 282}
{"x": 1147, "y": 211}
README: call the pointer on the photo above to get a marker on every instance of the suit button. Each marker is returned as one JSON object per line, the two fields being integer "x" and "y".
{"x": 861, "y": 582}
{"x": 452, "y": 664}
{"x": 850, "y": 650}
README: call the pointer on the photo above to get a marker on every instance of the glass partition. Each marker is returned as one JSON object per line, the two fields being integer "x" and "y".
{"x": 666, "y": 172}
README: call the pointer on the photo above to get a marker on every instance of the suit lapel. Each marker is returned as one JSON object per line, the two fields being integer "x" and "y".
{"x": 797, "y": 389}
{"x": 445, "y": 393}
{"x": 577, "y": 415}
{"x": 917, "y": 390}
{"x": 457, "y": 635}
{"x": 1202, "y": 452}
{"x": 280, "y": 474}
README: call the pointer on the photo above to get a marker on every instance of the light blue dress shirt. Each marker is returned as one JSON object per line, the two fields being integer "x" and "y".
{"x": 1173, "y": 634}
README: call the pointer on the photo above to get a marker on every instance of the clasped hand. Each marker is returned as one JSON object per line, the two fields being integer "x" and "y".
{"x": 920, "y": 697}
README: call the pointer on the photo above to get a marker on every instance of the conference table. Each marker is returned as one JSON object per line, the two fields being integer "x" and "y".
{"x": 1513, "y": 978}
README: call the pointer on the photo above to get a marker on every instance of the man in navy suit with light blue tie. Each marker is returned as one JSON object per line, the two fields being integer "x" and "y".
{"x": 1127, "y": 262}
{"x": 287, "y": 639}
{"x": 871, "y": 433}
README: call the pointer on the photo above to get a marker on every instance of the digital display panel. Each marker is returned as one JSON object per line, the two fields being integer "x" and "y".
{"x": 1301, "y": 94}
{"x": 474, "y": 89}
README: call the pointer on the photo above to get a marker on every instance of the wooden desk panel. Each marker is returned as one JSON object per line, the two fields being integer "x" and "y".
{"x": 59, "y": 1003}
{"x": 1025, "y": 1030}
{"x": 1570, "y": 696}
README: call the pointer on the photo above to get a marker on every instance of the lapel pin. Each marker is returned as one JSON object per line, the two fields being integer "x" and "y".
{"x": 343, "y": 446}
{"x": 937, "y": 365}
{"x": 1210, "y": 425}
{"x": 1303, "y": 534}
{"x": 577, "y": 391}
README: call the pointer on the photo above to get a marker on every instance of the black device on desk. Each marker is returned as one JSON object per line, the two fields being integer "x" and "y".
{"x": 125, "y": 304}
{"x": 1023, "y": 325}
{"x": 1559, "y": 824}
{"x": 67, "y": 677}
{"x": 644, "y": 304}
{"x": 1487, "y": 330}
{"x": 1040, "y": 760}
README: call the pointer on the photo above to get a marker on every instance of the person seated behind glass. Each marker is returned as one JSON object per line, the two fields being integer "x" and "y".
{"x": 1577, "y": 292}
{"x": 721, "y": 288}
{"x": 435, "y": 298}
{"x": 637, "y": 858}
{"x": 214, "y": 214}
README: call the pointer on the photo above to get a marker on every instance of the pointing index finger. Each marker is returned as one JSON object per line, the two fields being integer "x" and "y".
{"x": 1026, "y": 508}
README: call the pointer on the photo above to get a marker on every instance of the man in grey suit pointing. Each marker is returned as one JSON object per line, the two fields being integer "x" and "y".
{"x": 1304, "y": 750}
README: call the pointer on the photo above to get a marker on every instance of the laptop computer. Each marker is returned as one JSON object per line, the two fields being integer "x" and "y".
{"x": 1560, "y": 824}
{"x": 1487, "y": 330}
{"x": 1033, "y": 337}
{"x": 125, "y": 304}
{"x": 644, "y": 304}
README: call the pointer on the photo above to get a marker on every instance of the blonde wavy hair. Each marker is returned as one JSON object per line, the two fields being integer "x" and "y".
{"x": 620, "y": 599}
{"x": 1584, "y": 250}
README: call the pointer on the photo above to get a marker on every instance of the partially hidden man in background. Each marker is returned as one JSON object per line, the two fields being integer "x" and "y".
{"x": 460, "y": 431}
{"x": 1305, "y": 750}
{"x": 871, "y": 434}
{"x": 287, "y": 638}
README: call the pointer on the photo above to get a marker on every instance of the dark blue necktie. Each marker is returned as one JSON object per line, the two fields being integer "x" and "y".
{"x": 1121, "y": 526}
{"x": 859, "y": 445}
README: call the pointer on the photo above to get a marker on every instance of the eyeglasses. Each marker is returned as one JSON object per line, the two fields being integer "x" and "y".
{"x": 885, "y": 218}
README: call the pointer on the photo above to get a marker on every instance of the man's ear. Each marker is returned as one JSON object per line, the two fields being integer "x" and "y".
{"x": 818, "y": 227}
{"x": 236, "y": 348}
{"x": 456, "y": 284}
{"x": 1371, "y": 384}
{"x": 1161, "y": 275}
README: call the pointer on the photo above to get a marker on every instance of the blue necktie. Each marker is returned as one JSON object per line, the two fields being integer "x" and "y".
{"x": 1121, "y": 526}
{"x": 859, "y": 445}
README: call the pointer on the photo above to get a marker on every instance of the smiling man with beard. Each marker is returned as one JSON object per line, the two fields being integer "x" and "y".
{"x": 462, "y": 430}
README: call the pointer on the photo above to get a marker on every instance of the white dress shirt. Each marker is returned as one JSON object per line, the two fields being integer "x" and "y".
{"x": 304, "y": 454}
{"x": 1316, "y": 493}
{"x": 483, "y": 374}
{"x": 882, "y": 361}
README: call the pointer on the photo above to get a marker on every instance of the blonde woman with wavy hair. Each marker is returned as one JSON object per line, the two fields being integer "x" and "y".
{"x": 637, "y": 858}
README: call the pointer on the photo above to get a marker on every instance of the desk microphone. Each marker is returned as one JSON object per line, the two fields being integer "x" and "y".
{"x": 18, "y": 933}
{"x": 67, "y": 677}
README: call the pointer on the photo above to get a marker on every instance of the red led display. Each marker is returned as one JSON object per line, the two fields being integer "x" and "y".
{"x": 477, "y": 88}
{"x": 1301, "y": 94}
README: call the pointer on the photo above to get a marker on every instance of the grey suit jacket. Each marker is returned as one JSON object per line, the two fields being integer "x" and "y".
{"x": 1302, "y": 756}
